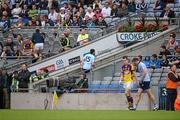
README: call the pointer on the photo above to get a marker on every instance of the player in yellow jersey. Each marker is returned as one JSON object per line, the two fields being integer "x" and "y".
{"x": 127, "y": 77}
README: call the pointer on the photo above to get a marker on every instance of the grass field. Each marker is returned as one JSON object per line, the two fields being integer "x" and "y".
{"x": 87, "y": 115}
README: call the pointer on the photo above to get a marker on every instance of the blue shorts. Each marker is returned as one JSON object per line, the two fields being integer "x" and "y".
{"x": 144, "y": 85}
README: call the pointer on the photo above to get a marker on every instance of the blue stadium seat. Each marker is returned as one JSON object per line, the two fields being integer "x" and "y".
{"x": 113, "y": 86}
{"x": 104, "y": 86}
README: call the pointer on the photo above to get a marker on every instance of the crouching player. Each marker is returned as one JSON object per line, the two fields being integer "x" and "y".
{"x": 127, "y": 76}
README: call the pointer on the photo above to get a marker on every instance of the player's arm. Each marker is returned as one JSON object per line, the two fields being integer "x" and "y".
{"x": 122, "y": 76}
{"x": 93, "y": 62}
{"x": 135, "y": 77}
{"x": 133, "y": 72}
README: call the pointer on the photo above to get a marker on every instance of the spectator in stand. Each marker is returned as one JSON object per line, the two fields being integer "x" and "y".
{"x": 6, "y": 8}
{"x": 90, "y": 23}
{"x": 65, "y": 42}
{"x": 19, "y": 23}
{"x": 16, "y": 11}
{"x": 20, "y": 41}
{"x": 147, "y": 61}
{"x": 54, "y": 4}
{"x": 16, "y": 52}
{"x": 33, "y": 12}
{"x": 106, "y": 11}
{"x": 83, "y": 37}
{"x": 53, "y": 36}
{"x": 25, "y": 12}
{"x": 164, "y": 51}
{"x": 177, "y": 49}
{"x": 6, "y": 52}
{"x": 83, "y": 82}
{"x": 175, "y": 60}
{"x": 80, "y": 16}
{"x": 164, "y": 62}
{"x": 81, "y": 12}
{"x": 43, "y": 5}
{"x": 34, "y": 21}
{"x": 62, "y": 13}
{"x": 172, "y": 43}
{"x": 59, "y": 22}
{"x": 38, "y": 42}
{"x": 95, "y": 20}
{"x": 142, "y": 6}
{"x": 4, "y": 24}
{"x": 98, "y": 13}
{"x": 53, "y": 15}
{"x": 85, "y": 21}
{"x": 167, "y": 13}
{"x": 9, "y": 43}
{"x": 114, "y": 10}
{"x": 89, "y": 13}
{"x": 123, "y": 10}
{"x": 67, "y": 21}
{"x": 97, "y": 3}
{"x": 75, "y": 21}
{"x": 27, "y": 47}
{"x": 132, "y": 6}
{"x": 23, "y": 77}
{"x": 45, "y": 22}
{"x": 159, "y": 5}
{"x": 101, "y": 22}
{"x": 155, "y": 62}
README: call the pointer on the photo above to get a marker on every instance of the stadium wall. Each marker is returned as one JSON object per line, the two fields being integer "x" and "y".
{"x": 75, "y": 101}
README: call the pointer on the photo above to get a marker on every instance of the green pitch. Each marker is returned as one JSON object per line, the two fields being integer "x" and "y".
{"x": 87, "y": 115}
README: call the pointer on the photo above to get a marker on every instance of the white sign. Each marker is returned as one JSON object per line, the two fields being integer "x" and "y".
{"x": 67, "y": 58}
{"x": 135, "y": 36}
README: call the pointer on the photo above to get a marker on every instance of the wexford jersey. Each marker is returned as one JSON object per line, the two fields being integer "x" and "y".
{"x": 127, "y": 72}
{"x": 88, "y": 60}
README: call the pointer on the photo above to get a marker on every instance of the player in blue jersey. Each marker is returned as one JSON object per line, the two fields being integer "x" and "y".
{"x": 144, "y": 83}
{"x": 88, "y": 61}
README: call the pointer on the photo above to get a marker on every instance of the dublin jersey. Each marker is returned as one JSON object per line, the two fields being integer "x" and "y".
{"x": 88, "y": 60}
{"x": 127, "y": 72}
{"x": 141, "y": 67}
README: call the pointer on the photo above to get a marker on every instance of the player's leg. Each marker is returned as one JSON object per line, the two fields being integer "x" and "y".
{"x": 146, "y": 86}
{"x": 138, "y": 97}
{"x": 152, "y": 98}
{"x": 128, "y": 95}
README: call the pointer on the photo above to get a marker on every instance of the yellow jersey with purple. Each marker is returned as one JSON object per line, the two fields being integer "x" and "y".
{"x": 127, "y": 73}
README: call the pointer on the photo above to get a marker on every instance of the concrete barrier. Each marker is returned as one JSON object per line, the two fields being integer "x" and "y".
{"x": 75, "y": 101}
